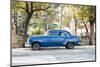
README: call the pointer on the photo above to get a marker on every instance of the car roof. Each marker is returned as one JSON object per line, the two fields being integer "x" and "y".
{"x": 56, "y": 30}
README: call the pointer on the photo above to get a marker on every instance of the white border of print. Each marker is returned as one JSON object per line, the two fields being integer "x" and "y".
{"x": 86, "y": 2}
{"x": 5, "y": 32}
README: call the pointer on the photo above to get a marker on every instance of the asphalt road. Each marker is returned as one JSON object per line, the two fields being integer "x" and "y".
{"x": 24, "y": 56}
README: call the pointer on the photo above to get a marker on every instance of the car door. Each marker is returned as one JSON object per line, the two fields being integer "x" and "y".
{"x": 60, "y": 39}
{"x": 50, "y": 41}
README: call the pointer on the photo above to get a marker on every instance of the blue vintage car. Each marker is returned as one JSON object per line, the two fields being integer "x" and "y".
{"x": 54, "y": 38}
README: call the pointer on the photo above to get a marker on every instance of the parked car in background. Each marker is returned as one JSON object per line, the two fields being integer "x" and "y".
{"x": 54, "y": 38}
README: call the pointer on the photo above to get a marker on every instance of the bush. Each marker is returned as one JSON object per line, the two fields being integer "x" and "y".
{"x": 37, "y": 31}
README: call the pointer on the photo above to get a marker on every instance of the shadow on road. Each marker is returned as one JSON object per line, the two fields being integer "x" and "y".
{"x": 63, "y": 48}
{"x": 52, "y": 48}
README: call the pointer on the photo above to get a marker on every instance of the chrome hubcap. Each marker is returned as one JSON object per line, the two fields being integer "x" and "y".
{"x": 70, "y": 45}
{"x": 36, "y": 46}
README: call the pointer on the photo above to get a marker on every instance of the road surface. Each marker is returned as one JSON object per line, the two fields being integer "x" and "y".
{"x": 24, "y": 56}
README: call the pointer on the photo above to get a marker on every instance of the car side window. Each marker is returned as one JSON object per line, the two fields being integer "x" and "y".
{"x": 67, "y": 34}
{"x": 62, "y": 34}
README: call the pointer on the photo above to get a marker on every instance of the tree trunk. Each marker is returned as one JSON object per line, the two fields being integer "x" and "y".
{"x": 75, "y": 27}
{"x": 15, "y": 21}
{"x": 25, "y": 36}
{"x": 75, "y": 20}
{"x": 86, "y": 28}
{"x": 25, "y": 30}
{"x": 91, "y": 32}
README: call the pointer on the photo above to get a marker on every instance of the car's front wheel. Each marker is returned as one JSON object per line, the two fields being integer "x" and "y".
{"x": 36, "y": 46}
{"x": 69, "y": 45}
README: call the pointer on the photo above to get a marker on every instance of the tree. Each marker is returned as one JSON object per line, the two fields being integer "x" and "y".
{"x": 71, "y": 11}
{"x": 92, "y": 20}
{"x": 82, "y": 15}
{"x": 29, "y": 8}
{"x": 88, "y": 13}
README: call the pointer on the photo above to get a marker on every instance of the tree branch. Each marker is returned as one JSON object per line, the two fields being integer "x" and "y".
{"x": 41, "y": 9}
{"x": 27, "y": 8}
{"x": 31, "y": 7}
{"x": 21, "y": 8}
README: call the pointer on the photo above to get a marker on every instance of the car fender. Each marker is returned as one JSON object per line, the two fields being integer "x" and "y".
{"x": 73, "y": 40}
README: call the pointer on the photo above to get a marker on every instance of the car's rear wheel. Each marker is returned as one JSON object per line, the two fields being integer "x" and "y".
{"x": 36, "y": 46}
{"x": 69, "y": 45}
